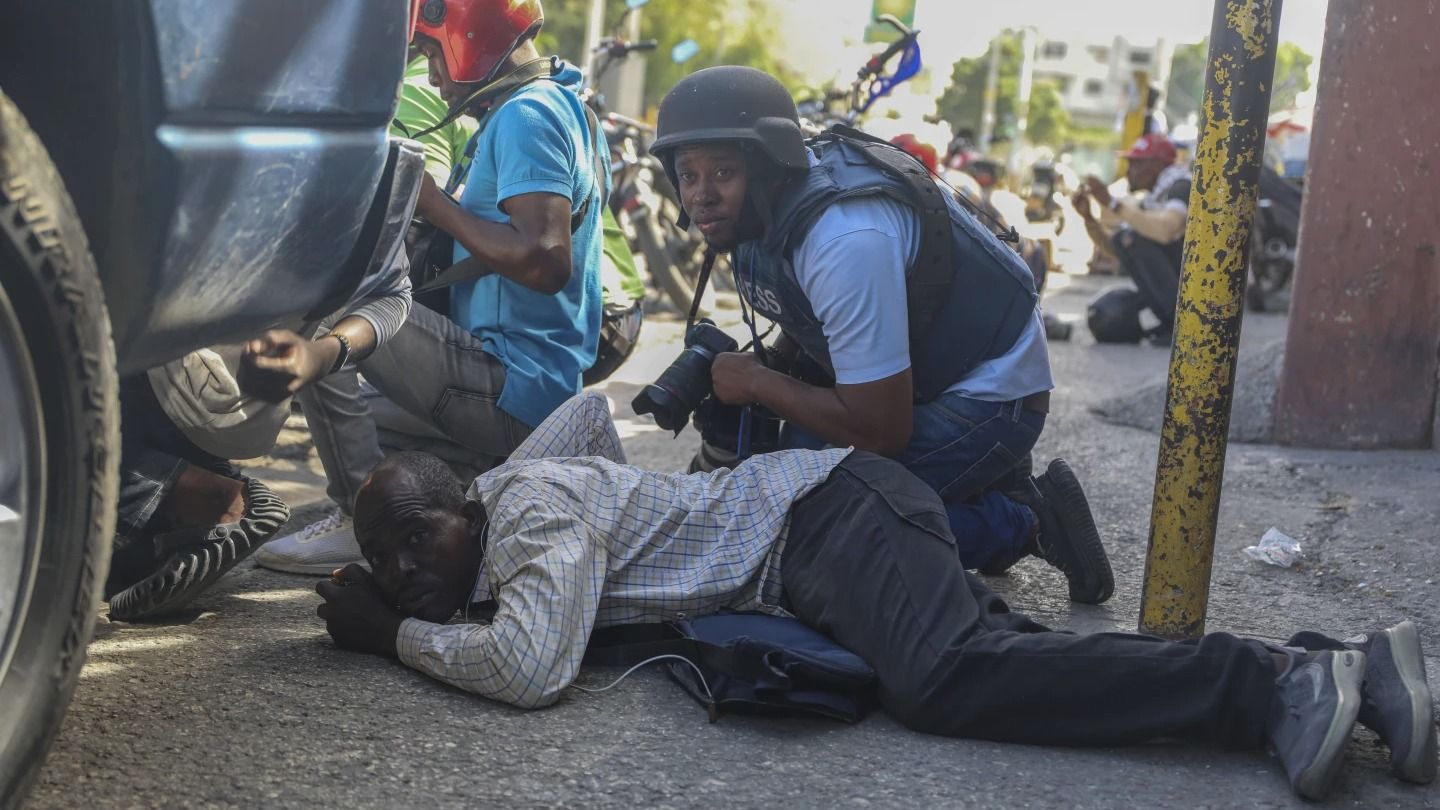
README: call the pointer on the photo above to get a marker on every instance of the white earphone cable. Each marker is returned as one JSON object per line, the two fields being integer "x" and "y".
{"x": 705, "y": 685}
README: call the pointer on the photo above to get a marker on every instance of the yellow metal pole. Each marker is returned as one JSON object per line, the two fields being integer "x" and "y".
{"x": 1188, "y": 475}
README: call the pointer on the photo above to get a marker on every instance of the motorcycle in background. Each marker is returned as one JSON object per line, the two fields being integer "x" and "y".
{"x": 644, "y": 202}
{"x": 1273, "y": 241}
{"x": 870, "y": 85}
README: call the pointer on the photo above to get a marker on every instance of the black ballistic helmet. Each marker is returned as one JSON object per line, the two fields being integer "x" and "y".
{"x": 731, "y": 103}
{"x": 1114, "y": 316}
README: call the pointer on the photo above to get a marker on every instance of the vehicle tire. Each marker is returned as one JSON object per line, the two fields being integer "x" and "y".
{"x": 1267, "y": 290}
{"x": 61, "y": 463}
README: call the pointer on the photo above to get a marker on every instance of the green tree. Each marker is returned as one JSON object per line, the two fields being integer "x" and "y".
{"x": 1292, "y": 75}
{"x": 1049, "y": 123}
{"x": 963, "y": 102}
{"x": 1186, "y": 87}
{"x": 729, "y": 32}
{"x": 1188, "y": 71}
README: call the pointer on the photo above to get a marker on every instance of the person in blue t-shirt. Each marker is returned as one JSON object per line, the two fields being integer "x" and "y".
{"x": 518, "y": 338}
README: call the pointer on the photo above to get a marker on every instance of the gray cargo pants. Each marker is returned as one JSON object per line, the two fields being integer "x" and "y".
{"x": 434, "y": 389}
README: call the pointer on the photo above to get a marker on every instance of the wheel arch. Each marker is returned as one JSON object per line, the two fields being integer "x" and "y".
{"x": 87, "y": 78}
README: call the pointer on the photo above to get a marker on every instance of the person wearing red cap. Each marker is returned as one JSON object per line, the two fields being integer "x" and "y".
{"x": 1146, "y": 232}
{"x": 473, "y": 379}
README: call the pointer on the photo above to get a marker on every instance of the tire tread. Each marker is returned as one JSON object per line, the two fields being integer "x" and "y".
{"x": 58, "y": 286}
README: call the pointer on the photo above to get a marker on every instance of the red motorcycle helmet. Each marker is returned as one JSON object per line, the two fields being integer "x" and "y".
{"x": 475, "y": 35}
{"x": 923, "y": 152}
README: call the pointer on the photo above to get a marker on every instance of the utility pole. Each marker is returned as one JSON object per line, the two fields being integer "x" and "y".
{"x": 1193, "y": 438}
{"x": 1022, "y": 104}
{"x": 1361, "y": 366}
{"x": 992, "y": 89}
{"x": 628, "y": 96}
{"x": 594, "y": 30}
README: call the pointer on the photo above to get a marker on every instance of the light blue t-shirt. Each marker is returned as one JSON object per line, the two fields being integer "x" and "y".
{"x": 538, "y": 141}
{"x": 852, "y": 266}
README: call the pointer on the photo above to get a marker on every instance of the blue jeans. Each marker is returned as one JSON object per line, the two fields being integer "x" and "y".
{"x": 960, "y": 446}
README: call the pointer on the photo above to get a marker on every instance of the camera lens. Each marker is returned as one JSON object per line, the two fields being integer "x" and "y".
{"x": 669, "y": 412}
{"x": 686, "y": 382}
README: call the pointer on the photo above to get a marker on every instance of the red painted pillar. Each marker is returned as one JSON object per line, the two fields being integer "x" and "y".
{"x": 1364, "y": 334}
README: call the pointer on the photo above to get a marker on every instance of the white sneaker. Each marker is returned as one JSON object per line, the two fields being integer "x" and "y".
{"x": 317, "y": 549}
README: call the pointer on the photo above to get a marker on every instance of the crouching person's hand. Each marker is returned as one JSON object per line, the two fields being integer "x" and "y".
{"x": 279, "y": 363}
{"x": 356, "y": 613}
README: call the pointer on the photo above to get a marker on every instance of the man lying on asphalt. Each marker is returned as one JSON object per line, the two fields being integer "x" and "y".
{"x": 567, "y": 538}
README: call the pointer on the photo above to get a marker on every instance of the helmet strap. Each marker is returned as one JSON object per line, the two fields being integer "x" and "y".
{"x": 764, "y": 180}
{"x": 493, "y": 92}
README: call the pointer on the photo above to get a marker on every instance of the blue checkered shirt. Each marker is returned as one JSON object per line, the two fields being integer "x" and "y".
{"x": 578, "y": 540}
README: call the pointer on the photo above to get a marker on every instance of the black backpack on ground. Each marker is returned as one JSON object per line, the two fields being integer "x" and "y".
{"x": 746, "y": 663}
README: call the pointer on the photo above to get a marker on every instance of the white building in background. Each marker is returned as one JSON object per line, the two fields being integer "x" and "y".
{"x": 1094, "y": 76}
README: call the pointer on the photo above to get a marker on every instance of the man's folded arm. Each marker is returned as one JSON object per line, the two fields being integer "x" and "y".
{"x": 546, "y": 603}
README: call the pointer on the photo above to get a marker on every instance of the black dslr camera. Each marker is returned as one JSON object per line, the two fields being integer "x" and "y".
{"x": 684, "y": 389}
{"x": 681, "y": 387}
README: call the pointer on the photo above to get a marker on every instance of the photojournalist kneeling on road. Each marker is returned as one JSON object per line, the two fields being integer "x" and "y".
{"x": 923, "y": 326}
{"x": 566, "y": 538}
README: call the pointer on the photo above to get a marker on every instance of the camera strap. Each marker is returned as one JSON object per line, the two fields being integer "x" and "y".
{"x": 742, "y": 437}
{"x": 491, "y": 93}
{"x": 706, "y": 267}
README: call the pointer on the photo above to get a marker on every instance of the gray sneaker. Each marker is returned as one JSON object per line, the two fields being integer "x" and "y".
{"x": 316, "y": 550}
{"x": 1395, "y": 701}
{"x": 1314, "y": 710}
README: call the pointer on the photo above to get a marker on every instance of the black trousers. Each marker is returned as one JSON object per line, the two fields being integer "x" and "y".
{"x": 870, "y": 561}
{"x": 1155, "y": 269}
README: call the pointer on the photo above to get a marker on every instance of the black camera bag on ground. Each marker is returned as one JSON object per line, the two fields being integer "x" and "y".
{"x": 747, "y": 663}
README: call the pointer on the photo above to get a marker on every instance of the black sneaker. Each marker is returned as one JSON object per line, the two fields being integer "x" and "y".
{"x": 1313, "y": 712}
{"x": 1395, "y": 701}
{"x": 193, "y": 559}
{"x": 1067, "y": 537}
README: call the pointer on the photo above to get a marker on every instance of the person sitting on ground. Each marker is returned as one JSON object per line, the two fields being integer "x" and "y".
{"x": 186, "y": 513}
{"x": 829, "y": 247}
{"x": 961, "y": 150}
{"x": 514, "y": 342}
{"x": 566, "y": 538}
{"x": 1146, "y": 232}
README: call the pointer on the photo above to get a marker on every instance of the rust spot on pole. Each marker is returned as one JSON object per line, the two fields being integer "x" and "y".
{"x": 1193, "y": 438}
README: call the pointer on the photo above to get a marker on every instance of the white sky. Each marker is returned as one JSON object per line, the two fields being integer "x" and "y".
{"x": 952, "y": 29}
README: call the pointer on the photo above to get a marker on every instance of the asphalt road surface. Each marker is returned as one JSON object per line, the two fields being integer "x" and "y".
{"x": 246, "y": 703}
